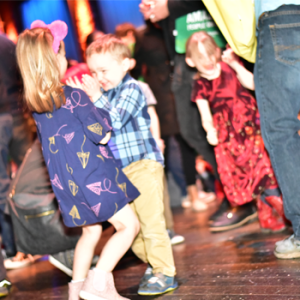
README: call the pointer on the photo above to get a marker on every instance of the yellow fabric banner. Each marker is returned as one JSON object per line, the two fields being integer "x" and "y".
{"x": 236, "y": 21}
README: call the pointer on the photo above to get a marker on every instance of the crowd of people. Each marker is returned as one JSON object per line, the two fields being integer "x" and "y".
{"x": 111, "y": 130}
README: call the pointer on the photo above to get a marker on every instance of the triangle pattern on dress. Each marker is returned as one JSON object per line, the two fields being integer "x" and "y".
{"x": 95, "y": 187}
{"x": 73, "y": 187}
{"x": 74, "y": 213}
{"x": 96, "y": 128}
{"x": 84, "y": 158}
{"x": 56, "y": 182}
{"x": 68, "y": 137}
{"x": 96, "y": 209}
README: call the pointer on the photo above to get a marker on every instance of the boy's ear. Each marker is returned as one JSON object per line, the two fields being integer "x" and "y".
{"x": 126, "y": 63}
{"x": 132, "y": 63}
{"x": 190, "y": 62}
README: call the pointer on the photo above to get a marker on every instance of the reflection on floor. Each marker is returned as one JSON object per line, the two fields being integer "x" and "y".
{"x": 236, "y": 265}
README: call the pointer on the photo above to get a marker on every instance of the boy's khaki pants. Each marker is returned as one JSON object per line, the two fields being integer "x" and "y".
{"x": 152, "y": 244}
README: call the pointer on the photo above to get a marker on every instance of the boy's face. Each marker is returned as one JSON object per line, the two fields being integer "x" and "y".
{"x": 107, "y": 70}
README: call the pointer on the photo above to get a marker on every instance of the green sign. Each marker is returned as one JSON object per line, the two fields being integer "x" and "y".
{"x": 195, "y": 21}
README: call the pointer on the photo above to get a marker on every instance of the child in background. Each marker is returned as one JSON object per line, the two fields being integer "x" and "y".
{"x": 85, "y": 178}
{"x": 134, "y": 147}
{"x": 230, "y": 117}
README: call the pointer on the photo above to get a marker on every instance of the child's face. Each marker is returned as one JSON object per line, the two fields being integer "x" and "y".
{"x": 62, "y": 61}
{"x": 107, "y": 70}
{"x": 207, "y": 65}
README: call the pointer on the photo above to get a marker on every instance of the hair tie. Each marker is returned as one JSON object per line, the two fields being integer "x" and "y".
{"x": 59, "y": 30}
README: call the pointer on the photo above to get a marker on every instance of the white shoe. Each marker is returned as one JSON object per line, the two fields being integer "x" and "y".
{"x": 186, "y": 202}
{"x": 206, "y": 197}
{"x": 198, "y": 205}
{"x": 175, "y": 238}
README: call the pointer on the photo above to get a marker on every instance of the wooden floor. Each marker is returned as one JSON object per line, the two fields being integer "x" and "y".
{"x": 236, "y": 265}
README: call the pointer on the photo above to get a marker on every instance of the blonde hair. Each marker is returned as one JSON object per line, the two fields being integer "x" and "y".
{"x": 109, "y": 43}
{"x": 208, "y": 42}
{"x": 40, "y": 70}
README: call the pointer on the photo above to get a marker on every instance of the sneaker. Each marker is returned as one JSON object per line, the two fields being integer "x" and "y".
{"x": 4, "y": 288}
{"x": 175, "y": 238}
{"x": 198, "y": 206}
{"x": 63, "y": 261}
{"x": 233, "y": 217}
{"x": 20, "y": 260}
{"x": 186, "y": 202}
{"x": 207, "y": 197}
{"x": 147, "y": 275}
{"x": 287, "y": 248}
{"x": 158, "y": 284}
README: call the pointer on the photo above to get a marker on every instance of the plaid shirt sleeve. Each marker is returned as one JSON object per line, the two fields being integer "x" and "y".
{"x": 128, "y": 105}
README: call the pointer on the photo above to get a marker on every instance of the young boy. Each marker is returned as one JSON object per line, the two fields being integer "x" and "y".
{"x": 133, "y": 146}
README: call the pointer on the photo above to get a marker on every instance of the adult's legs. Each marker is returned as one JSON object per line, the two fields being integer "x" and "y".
{"x": 277, "y": 71}
{"x": 6, "y": 129}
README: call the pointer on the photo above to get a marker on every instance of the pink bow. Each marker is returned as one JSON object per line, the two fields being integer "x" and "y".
{"x": 59, "y": 30}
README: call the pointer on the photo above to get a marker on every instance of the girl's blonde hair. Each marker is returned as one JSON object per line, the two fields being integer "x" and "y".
{"x": 208, "y": 42}
{"x": 111, "y": 44}
{"x": 40, "y": 70}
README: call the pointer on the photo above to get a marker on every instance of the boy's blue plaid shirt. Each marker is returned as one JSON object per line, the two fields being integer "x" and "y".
{"x": 131, "y": 139}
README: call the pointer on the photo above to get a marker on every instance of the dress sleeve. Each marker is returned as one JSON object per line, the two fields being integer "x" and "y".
{"x": 201, "y": 90}
{"x": 95, "y": 121}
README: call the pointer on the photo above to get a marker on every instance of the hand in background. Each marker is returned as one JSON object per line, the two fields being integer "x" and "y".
{"x": 155, "y": 10}
{"x": 212, "y": 137}
{"x": 229, "y": 57}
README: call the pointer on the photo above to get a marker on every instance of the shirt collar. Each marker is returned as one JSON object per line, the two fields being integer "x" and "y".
{"x": 125, "y": 78}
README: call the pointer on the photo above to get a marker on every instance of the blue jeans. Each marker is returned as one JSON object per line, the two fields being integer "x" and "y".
{"x": 277, "y": 84}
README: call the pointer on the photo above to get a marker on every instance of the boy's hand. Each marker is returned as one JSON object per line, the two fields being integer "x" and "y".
{"x": 75, "y": 83}
{"x": 92, "y": 87}
{"x": 212, "y": 137}
{"x": 229, "y": 57}
{"x": 161, "y": 145}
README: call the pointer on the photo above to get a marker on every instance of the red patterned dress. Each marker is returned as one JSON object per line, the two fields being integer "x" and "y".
{"x": 243, "y": 162}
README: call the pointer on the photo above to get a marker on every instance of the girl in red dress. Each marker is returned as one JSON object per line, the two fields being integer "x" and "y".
{"x": 231, "y": 119}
